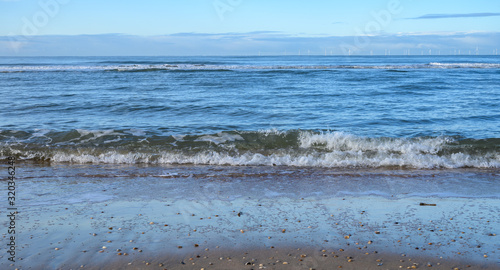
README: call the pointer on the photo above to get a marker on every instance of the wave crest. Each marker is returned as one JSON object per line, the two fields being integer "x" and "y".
{"x": 222, "y": 67}
{"x": 241, "y": 148}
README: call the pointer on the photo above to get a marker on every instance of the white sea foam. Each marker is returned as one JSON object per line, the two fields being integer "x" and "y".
{"x": 328, "y": 160}
{"x": 327, "y": 149}
{"x": 464, "y": 65}
{"x": 220, "y": 138}
{"x": 167, "y": 66}
{"x": 95, "y": 134}
{"x": 136, "y": 132}
{"x": 272, "y": 131}
{"x": 325, "y": 160}
{"x": 336, "y": 141}
{"x": 40, "y": 132}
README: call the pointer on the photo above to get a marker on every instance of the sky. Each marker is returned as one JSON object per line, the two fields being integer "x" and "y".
{"x": 248, "y": 27}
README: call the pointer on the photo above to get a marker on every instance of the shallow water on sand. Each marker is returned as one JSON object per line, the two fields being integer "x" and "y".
{"x": 159, "y": 208}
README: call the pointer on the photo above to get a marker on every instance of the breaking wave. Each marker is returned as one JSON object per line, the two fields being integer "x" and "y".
{"x": 221, "y": 67}
{"x": 242, "y": 148}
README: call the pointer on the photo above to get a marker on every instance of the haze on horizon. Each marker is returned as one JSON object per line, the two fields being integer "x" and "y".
{"x": 248, "y": 27}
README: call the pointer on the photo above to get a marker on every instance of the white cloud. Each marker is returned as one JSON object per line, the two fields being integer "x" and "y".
{"x": 251, "y": 43}
{"x": 448, "y": 16}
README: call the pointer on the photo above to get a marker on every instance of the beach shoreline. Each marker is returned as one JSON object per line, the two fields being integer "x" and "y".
{"x": 107, "y": 216}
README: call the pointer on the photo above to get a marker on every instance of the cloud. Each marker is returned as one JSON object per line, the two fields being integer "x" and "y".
{"x": 446, "y": 16}
{"x": 245, "y": 43}
{"x": 228, "y": 34}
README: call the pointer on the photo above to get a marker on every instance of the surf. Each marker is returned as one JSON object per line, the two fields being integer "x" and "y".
{"x": 298, "y": 148}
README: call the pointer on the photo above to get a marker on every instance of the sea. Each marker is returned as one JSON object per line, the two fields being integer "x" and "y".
{"x": 328, "y": 112}
{"x": 214, "y": 146}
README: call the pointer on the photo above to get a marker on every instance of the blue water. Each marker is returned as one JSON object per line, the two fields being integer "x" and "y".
{"x": 327, "y": 111}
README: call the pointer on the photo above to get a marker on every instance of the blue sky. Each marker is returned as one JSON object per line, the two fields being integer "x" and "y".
{"x": 247, "y": 27}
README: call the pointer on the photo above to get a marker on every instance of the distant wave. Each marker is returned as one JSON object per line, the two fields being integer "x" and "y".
{"x": 464, "y": 65}
{"x": 241, "y": 148}
{"x": 219, "y": 67}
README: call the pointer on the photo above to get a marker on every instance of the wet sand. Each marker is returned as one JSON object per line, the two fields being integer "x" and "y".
{"x": 188, "y": 217}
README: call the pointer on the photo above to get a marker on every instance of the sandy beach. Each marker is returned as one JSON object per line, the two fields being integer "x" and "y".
{"x": 216, "y": 217}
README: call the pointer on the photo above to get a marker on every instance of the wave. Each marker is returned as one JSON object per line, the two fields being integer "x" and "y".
{"x": 464, "y": 65}
{"x": 242, "y": 148}
{"x": 220, "y": 67}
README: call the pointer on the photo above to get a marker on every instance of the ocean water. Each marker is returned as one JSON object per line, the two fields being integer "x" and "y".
{"x": 389, "y": 112}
